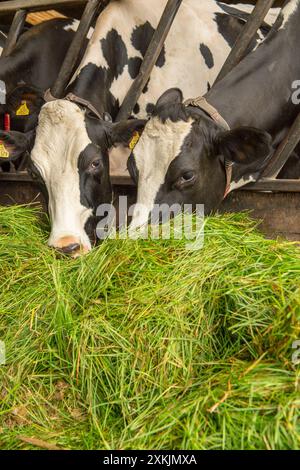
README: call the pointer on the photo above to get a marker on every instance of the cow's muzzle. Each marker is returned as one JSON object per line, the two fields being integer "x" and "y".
{"x": 70, "y": 246}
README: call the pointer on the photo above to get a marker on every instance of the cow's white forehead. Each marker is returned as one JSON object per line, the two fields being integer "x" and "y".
{"x": 159, "y": 145}
{"x": 60, "y": 138}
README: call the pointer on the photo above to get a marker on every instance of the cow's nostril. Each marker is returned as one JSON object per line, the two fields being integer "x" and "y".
{"x": 70, "y": 249}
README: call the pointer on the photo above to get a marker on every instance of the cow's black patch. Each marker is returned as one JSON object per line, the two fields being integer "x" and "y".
{"x": 114, "y": 52}
{"x": 208, "y": 86}
{"x": 93, "y": 84}
{"x": 134, "y": 65}
{"x": 207, "y": 55}
{"x": 161, "y": 58}
{"x": 150, "y": 108}
{"x": 94, "y": 184}
{"x": 141, "y": 38}
{"x": 136, "y": 109}
{"x": 146, "y": 87}
{"x": 229, "y": 27}
{"x": 242, "y": 15}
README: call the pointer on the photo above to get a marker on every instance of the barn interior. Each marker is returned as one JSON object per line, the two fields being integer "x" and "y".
{"x": 278, "y": 215}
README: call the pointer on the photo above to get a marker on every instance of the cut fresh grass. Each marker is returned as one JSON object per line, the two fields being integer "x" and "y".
{"x": 142, "y": 344}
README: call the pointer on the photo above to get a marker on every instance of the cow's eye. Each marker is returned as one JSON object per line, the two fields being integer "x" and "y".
{"x": 188, "y": 176}
{"x": 185, "y": 180}
{"x": 96, "y": 163}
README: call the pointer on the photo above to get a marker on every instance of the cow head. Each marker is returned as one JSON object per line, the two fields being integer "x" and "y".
{"x": 180, "y": 157}
{"x": 23, "y": 104}
{"x": 69, "y": 157}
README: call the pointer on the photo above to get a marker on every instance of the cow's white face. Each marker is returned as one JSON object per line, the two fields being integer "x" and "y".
{"x": 60, "y": 139}
{"x": 158, "y": 146}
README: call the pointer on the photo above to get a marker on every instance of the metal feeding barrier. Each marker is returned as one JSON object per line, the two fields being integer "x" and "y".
{"x": 275, "y": 201}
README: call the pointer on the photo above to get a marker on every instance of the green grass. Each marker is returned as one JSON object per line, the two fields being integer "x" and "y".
{"x": 142, "y": 344}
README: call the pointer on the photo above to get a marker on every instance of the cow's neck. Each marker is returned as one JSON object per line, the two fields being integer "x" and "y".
{"x": 258, "y": 91}
{"x": 93, "y": 84}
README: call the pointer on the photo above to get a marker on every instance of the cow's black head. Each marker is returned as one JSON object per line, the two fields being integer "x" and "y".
{"x": 69, "y": 157}
{"x": 181, "y": 155}
{"x": 23, "y": 104}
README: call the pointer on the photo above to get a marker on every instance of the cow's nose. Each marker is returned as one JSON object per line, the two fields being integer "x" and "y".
{"x": 71, "y": 249}
{"x": 68, "y": 245}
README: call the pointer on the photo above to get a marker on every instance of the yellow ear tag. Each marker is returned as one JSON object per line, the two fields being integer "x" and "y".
{"x": 23, "y": 110}
{"x": 4, "y": 153}
{"x": 134, "y": 140}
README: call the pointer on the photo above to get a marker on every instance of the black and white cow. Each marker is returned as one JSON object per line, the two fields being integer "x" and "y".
{"x": 71, "y": 146}
{"x": 183, "y": 153}
{"x": 32, "y": 67}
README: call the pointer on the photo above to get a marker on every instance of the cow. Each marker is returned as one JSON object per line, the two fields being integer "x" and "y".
{"x": 196, "y": 151}
{"x": 69, "y": 151}
{"x": 32, "y": 67}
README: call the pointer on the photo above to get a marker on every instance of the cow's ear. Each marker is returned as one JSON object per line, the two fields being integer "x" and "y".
{"x": 127, "y": 133}
{"x": 24, "y": 101}
{"x": 14, "y": 144}
{"x": 244, "y": 145}
{"x": 171, "y": 96}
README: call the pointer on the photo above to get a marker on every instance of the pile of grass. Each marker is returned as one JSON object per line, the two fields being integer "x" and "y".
{"x": 142, "y": 344}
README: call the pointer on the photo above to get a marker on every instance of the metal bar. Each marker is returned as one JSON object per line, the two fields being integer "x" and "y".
{"x": 150, "y": 59}
{"x": 282, "y": 154}
{"x": 69, "y": 63}
{"x": 16, "y": 177}
{"x": 39, "y": 5}
{"x": 14, "y": 32}
{"x": 244, "y": 39}
{"x": 273, "y": 185}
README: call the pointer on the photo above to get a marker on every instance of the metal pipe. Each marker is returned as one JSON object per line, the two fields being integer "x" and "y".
{"x": 273, "y": 185}
{"x": 14, "y": 32}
